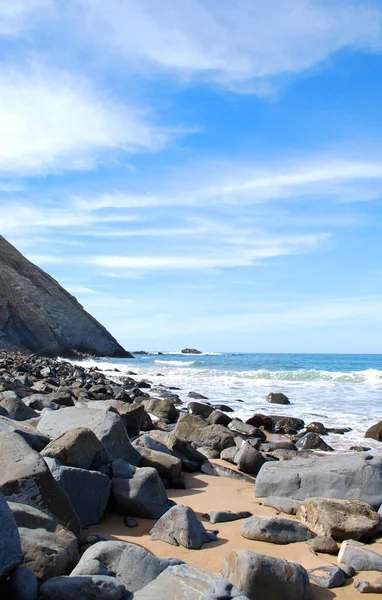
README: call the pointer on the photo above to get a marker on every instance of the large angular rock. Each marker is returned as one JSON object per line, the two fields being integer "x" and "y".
{"x": 132, "y": 565}
{"x": 185, "y": 582}
{"x": 339, "y": 519}
{"x": 88, "y": 491}
{"x": 167, "y": 466}
{"x": 21, "y": 585}
{"x": 180, "y": 527}
{"x": 323, "y": 544}
{"x": 360, "y": 557}
{"x": 246, "y": 430}
{"x": 26, "y": 478}
{"x": 217, "y": 417}
{"x": 34, "y": 438}
{"x": 142, "y": 495}
{"x": 328, "y": 577}
{"x": 249, "y": 460}
{"x": 16, "y": 409}
{"x": 192, "y": 429}
{"x": 96, "y": 587}
{"x": 75, "y": 448}
{"x": 277, "y": 531}
{"x": 198, "y": 408}
{"x": 312, "y": 441}
{"x": 338, "y": 476}
{"x": 107, "y": 426}
{"x": 161, "y": 408}
{"x": 132, "y": 415}
{"x": 10, "y": 546}
{"x": 264, "y": 577}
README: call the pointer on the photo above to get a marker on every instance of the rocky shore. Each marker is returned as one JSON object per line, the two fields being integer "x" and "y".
{"x": 111, "y": 488}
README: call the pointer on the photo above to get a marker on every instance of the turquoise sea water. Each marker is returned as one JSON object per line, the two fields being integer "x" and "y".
{"x": 338, "y": 390}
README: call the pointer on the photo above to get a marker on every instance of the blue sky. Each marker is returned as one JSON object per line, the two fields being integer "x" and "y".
{"x": 200, "y": 173}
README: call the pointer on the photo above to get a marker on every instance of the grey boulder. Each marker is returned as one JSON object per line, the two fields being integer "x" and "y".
{"x": 323, "y": 544}
{"x": 10, "y": 546}
{"x": 16, "y": 408}
{"x": 180, "y": 527}
{"x": 167, "y": 466}
{"x": 289, "y": 506}
{"x": 77, "y": 447}
{"x": 34, "y": 438}
{"x": 327, "y": 577}
{"x": 96, "y": 587}
{"x": 365, "y": 587}
{"x": 276, "y": 531}
{"x": 360, "y": 557}
{"x": 142, "y": 495}
{"x": 22, "y": 585}
{"x": 277, "y": 398}
{"x": 312, "y": 441}
{"x": 223, "y": 516}
{"x": 249, "y": 460}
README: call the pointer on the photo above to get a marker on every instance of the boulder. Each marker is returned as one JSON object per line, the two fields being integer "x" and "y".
{"x": 327, "y": 577}
{"x": 360, "y": 557}
{"x": 323, "y": 544}
{"x": 223, "y": 516}
{"x": 198, "y": 408}
{"x": 264, "y": 577}
{"x": 223, "y": 407}
{"x": 339, "y": 519}
{"x": 337, "y": 476}
{"x": 288, "y": 424}
{"x": 277, "y": 398}
{"x": 10, "y": 546}
{"x": 185, "y": 582}
{"x": 375, "y": 432}
{"x": 142, "y": 495}
{"x": 151, "y": 442}
{"x": 26, "y": 478}
{"x": 249, "y": 460}
{"x": 317, "y": 427}
{"x": 259, "y": 420}
{"x": 289, "y": 506}
{"x": 167, "y": 466}
{"x": 274, "y": 530}
{"x": 77, "y": 447}
{"x": 21, "y": 585}
{"x": 213, "y": 436}
{"x": 88, "y": 491}
{"x": 217, "y": 417}
{"x": 161, "y": 408}
{"x": 229, "y": 454}
{"x": 34, "y": 438}
{"x": 107, "y": 426}
{"x": 132, "y": 415}
{"x": 16, "y": 409}
{"x": 132, "y": 565}
{"x": 365, "y": 587}
{"x": 312, "y": 441}
{"x": 272, "y": 447}
{"x": 180, "y": 527}
{"x": 95, "y": 587}
{"x": 197, "y": 396}
{"x": 246, "y": 430}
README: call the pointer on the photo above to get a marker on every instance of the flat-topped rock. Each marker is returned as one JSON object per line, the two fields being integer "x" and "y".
{"x": 274, "y": 530}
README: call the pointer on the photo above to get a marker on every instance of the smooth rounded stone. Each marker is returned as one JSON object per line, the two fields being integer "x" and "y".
{"x": 259, "y": 420}
{"x": 246, "y": 430}
{"x": 289, "y": 506}
{"x": 360, "y": 557}
{"x": 340, "y": 519}
{"x": 317, "y": 427}
{"x": 131, "y": 564}
{"x": 34, "y": 438}
{"x": 332, "y": 476}
{"x": 149, "y": 441}
{"x": 77, "y": 447}
{"x": 288, "y": 425}
{"x": 273, "y": 446}
{"x": 88, "y": 491}
{"x": 192, "y": 429}
{"x": 130, "y": 522}
{"x": 224, "y": 516}
{"x": 184, "y": 582}
{"x": 196, "y": 396}
{"x": 274, "y": 530}
{"x": 229, "y": 454}
{"x": 21, "y": 585}
{"x": 198, "y": 408}
{"x": 10, "y": 546}
{"x": 327, "y": 577}
{"x": 107, "y": 426}
{"x": 95, "y": 587}
{"x": 26, "y": 478}
{"x": 16, "y": 409}
{"x": 209, "y": 453}
{"x": 266, "y": 578}
{"x": 161, "y": 408}
{"x": 167, "y": 466}
{"x": 365, "y": 587}
{"x": 249, "y": 460}
{"x": 181, "y": 527}
{"x": 217, "y": 417}
{"x": 40, "y": 401}
{"x": 324, "y": 544}
{"x": 312, "y": 441}
{"x": 143, "y": 495}
{"x": 223, "y": 407}
{"x": 375, "y": 432}
{"x": 277, "y": 398}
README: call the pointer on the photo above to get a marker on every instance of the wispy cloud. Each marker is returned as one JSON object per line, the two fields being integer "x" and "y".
{"x": 17, "y": 16}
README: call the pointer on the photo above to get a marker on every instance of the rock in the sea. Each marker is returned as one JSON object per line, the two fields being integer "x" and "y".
{"x": 375, "y": 432}
{"x": 360, "y": 557}
{"x": 190, "y": 351}
{"x": 88, "y": 491}
{"x": 180, "y": 527}
{"x": 365, "y": 587}
{"x": 327, "y": 577}
{"x": 340, "y": 519}
{"x": 287, "y": 424}
{"x": 93, "y": 587}
{"x": 107, "y": 426}
{"x": 26, "y": 478}
{"x": 223, "y": 516}
{"x": 76, "y": 447}
{"x": 289, "y": 506}
{"x": 249, "y": 460}
{"x": 324, "y": 544}
{"x": 259, "y": 420}
{"x": 131, "y": 564}
{"x": 266, "y": 578}
{"x": 142, "y": 495}
{"x": 10, "y": 546}
{"x": 217, "y": 417}
{"x": 317, "y": 427}
{"x": 312, "y": 441}
{"x": 277, "y": 398}
{"x": 274, "y": 530}
{"x": 332, "y": 476}
{"x": 185, "y": 582}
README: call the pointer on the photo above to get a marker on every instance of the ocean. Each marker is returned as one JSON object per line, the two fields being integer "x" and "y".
{"x": 339, "y": 390}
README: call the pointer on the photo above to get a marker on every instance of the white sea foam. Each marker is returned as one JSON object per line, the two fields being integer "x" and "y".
{"x": 175, "y": 363}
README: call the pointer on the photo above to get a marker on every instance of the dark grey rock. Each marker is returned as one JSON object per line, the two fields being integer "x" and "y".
{"x": 161, "y": 408}
{"x": 327, "y": 577}
{"x": 312, "y": 441}
{"x": 198, "y": 408}
{"x": 246, "y": 430}
{"x": 192, "y": 429}
{"x": 10, "y": 546}
{"x": 249, "y": 460}
{"x": 229, "y": 454}
{"x": 141, "y": 496}
{"x": 197, "y": 396}
{"x": 76, "y": 447}
{"x": 22, "y": 585}
{"x": 275, "y": 530}
{"x": 220, "y": 471}
{"x": 289, "y": 506}
{"x": 360, "y": 557}
{"x": 223, "y": 407}
{"x": 223, "y": 516}
{"x": 130, "y": 522}
{"x": 365, "y": 587}
{"x": 217, "y": 417}
{"x": 277, "y": 398}
{"x": 317, "y": 427}
{"x": 323, "y": 544}
{"x": 375, "y": 432}
{"x": 95, "y": 587}
{"x": 34, "y": 438}
{"x": 168, "y": 466}
{"x": 16, "y": 409}
{"x": 180, "y": 527}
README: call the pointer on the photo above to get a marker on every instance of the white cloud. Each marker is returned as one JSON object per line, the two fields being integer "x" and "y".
{"x": 16, "y": 16}
{"x": 231, "y": 43}
{"x": 52, "y": 121}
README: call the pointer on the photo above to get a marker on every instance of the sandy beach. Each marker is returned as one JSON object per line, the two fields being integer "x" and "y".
{"x": 206, "y": 493}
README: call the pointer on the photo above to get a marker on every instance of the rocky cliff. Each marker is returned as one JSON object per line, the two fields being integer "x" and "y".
{"x": 38, "y": 315}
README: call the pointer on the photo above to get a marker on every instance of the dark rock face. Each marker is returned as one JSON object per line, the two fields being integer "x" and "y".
{"x": 190, "y": 351}
{"x": 38, "y": 315}
{"x": 10, "y": 547}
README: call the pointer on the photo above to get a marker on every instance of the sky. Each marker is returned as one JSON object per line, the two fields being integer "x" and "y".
{"x": 200, "y": 173}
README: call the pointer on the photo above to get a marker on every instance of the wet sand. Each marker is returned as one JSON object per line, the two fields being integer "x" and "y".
{"x": 205, "y": 493}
